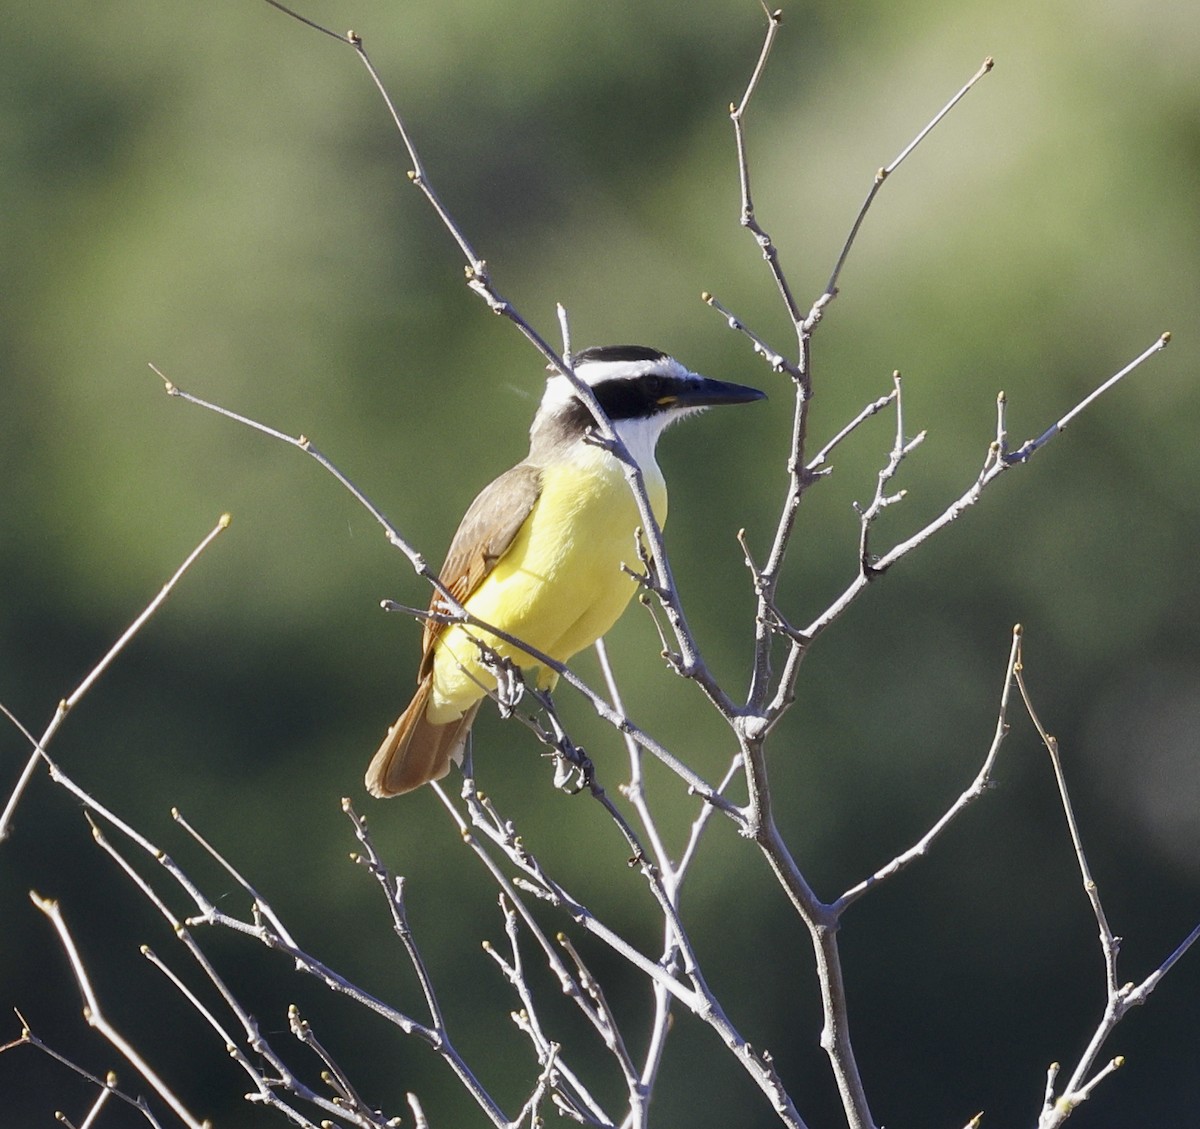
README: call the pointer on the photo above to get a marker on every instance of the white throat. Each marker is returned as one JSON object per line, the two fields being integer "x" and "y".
{"x": 640, "y": 437}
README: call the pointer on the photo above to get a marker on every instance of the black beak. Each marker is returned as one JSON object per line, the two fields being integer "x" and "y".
{"x": 701, "y": 392}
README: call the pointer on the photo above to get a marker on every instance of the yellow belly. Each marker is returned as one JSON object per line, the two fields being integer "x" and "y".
{"x": 560, "y": 585}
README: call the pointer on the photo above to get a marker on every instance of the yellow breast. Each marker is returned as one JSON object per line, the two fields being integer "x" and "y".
{"x": 560, "y": 586}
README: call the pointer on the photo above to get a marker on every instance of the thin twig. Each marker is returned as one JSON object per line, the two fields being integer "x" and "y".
{"x": 1109, "y": 942}
{"x": 107, "y": 1085}
{"x": 232, "y": 871}
{"x": 981, "y": 783}
{"x": 565, "y": 329}
{"x": 801, "y": 473}
{"x": 501, "y": 832}
{"x": 303, "y": 443}
{"x": 95, "y": 1017}
{"x": 1030, "y": 446}
{"x": 635, "y": 790}
{"x": 1119, "y": 998}
{"x": 777, "y": 361}
{"x": 97, "y": 1108}
{"x": 393, "y": 891}
{"x": 547, "y": 1051}
{"x": 347, "y": 1099}
{"x": 207, "y": 1014}
{"x": 264, "y": 1089}
{"x": 72, "y": 700}
{"x": 747, "y": 217}
{"x": 698, "y": 998}
{"x": 818, "y": 461}
{"x": 262, "y": 929}
{"x": 901, "y": 448}
{"x": 419, "y": 1119}
{"x": 887, "y": 170}
{"x": 609, "y": 1029}
{"x": 660, "y": 1023}
{"x": 995, "y": 463}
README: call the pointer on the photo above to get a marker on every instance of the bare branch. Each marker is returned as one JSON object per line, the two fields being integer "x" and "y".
{"x": 565, "y": 329}
{"x": 106, "y": 1085}
{"x": 900, "y": 450}
{"x": 260, "y": 907}
{"x": 574, "y": 1097}
{"x": 419, "y": 1120}
{"x": 98, "y": 1105}
{"x": 821, "y": 919}
{"x": 264, "y": 1090}
{"x": 698, "y": 999}
{"x": 1032, "y": 445}
{"x": 747, "y": 217}
{"x": 831, "y": 288}
{"x": 263, "y": 929}
{"x": 635, "y": 790}
{"x": 609, "y": 1029}
{"x": 303, "y": 443}
{"x": 800, "y": 473}
{"x": 982, "y": 781}
{"x": 1119, "y": 998}
{"x": 999, "y": 460}
{"x": 393, "y": 891}
{"x": 818, "y": 461}
{"x": 777, "y": 361}
{"x": 347, "y": 1100}
{"x": 1109, "y": 942}
{"x": 996, "y": 462}
{"x": 95, "y": 1017}
{"x": 68, "y": 703}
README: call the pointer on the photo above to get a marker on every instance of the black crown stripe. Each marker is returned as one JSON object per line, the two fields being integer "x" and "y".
{"x": 618, "y": 353}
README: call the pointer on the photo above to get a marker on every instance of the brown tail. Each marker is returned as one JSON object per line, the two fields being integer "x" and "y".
{"x": 415, "y": 751}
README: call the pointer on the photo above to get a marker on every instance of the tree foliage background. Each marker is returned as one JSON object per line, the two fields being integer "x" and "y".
{"x": 216, "y": 189}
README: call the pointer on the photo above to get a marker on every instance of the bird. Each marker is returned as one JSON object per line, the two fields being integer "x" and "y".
{"x": 539, "y": 553}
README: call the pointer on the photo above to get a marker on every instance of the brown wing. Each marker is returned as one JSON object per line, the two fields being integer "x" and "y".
{"x": 484, "y": 536}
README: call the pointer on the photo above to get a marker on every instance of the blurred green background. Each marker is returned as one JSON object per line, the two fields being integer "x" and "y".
{"x": 216, "y": 189}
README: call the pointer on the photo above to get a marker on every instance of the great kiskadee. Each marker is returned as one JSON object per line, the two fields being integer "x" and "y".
{"x": 538, "y": 554}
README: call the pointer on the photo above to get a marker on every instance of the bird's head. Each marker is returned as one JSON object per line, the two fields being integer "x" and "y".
{"x": 641, "y": 390}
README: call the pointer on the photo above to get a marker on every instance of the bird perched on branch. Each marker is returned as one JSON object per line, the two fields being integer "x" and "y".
{"x": 538, "y": 554}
